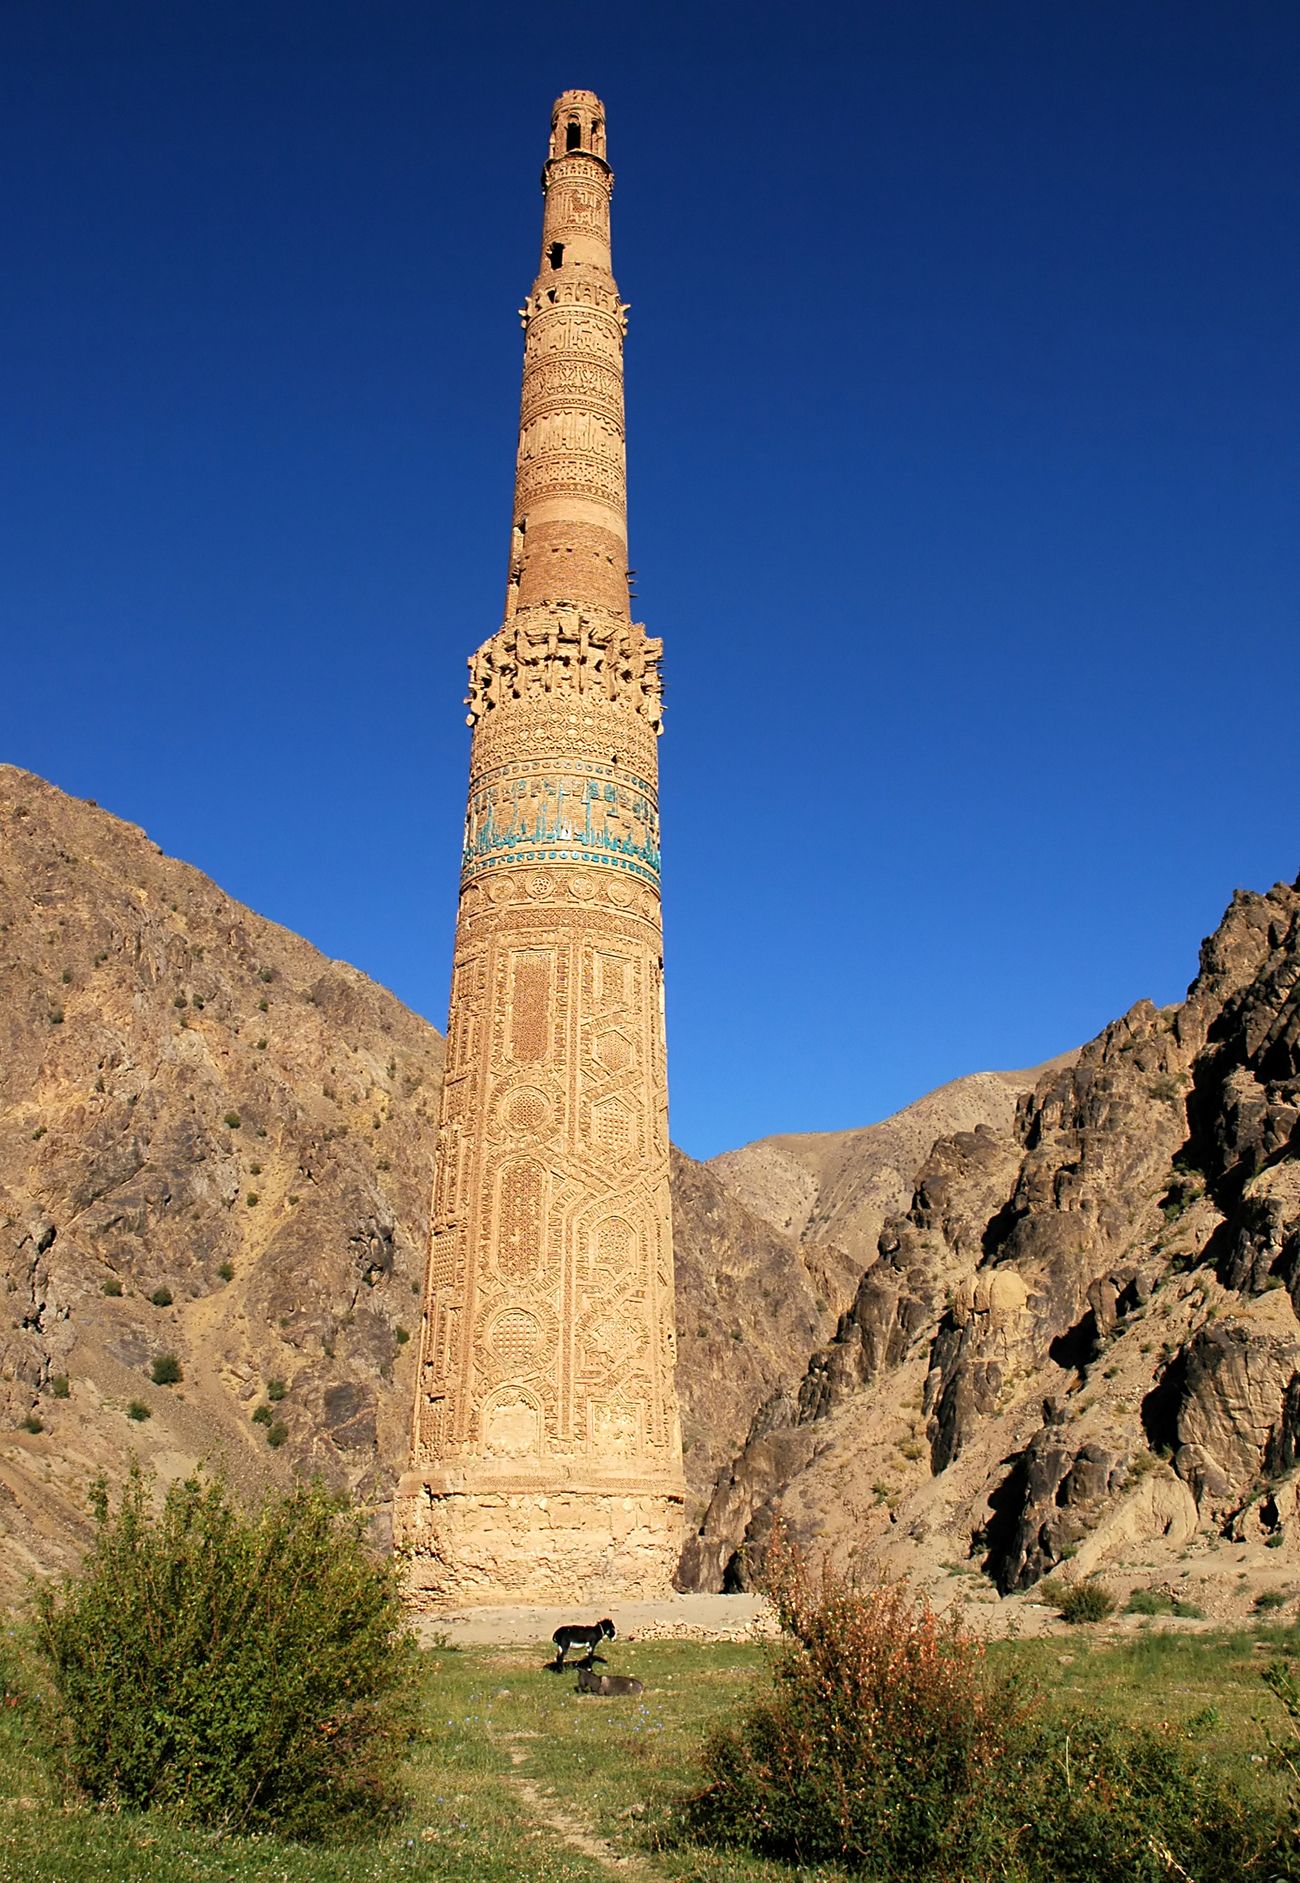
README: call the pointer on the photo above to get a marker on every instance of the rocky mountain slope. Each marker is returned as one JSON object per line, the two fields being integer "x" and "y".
{"x": 1075, "y": 1343}
{"x": 216, "y": 1146}
{"x": 1080, "y": 1344}
{"x": 838, "y": 1187}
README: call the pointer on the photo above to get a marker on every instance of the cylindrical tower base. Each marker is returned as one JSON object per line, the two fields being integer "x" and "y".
{"x": 481, "y": 1548}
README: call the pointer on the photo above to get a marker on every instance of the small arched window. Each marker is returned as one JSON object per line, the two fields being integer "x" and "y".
{"x": 573, "y": 137}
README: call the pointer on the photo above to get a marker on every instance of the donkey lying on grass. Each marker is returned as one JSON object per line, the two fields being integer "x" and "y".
{"x": 606, "y": 1685}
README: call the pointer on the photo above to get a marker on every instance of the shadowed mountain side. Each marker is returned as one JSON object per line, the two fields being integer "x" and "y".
{"x": 1080, "y": 1345}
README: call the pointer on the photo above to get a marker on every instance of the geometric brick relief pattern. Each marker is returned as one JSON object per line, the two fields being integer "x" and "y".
{"x": 545, "y": 1452}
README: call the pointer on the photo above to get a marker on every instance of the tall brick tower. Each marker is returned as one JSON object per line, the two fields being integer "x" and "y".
{"x": 546, "y": 1453}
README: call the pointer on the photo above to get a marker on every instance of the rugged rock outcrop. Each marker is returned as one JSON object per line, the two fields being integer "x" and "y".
{"x": 1081, "y": 1341}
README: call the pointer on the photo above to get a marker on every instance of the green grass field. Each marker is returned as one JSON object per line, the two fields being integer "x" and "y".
{"x": 514, "y": 1776}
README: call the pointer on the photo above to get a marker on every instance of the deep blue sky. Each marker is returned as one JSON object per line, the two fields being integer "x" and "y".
{"x": 962, "y": 399}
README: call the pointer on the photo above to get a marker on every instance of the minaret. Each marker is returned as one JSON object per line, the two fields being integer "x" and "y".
{"x": 546, "y": 1453}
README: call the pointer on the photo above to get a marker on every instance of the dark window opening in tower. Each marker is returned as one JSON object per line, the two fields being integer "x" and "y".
{"x": 555, "y": 254}
{"x": 573, "y": 137}
{"x": 550, "y": 294}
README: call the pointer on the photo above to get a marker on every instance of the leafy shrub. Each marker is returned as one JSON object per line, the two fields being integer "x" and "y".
{"x": 1149, "y": 1602}
{"x": 886, "y": 1744}
{"x": 138, "y": 1411}
{"x": 879, "y": 1729}
{"x": 162, "y": 1297}
{"x": 276, "y": 1390}
{"x": 227, "y": 1271}
{"x": 241, "y": 1670}
{"x": 33, "y": 1423}
{"x": 112, "y": 1286}
{"x": 166, "y": 1370}
{"x": 233, "y": 1120}
{"x": 276, "y": 1434}
{"x": 1086, "y": 1602}
{"x": 261, "y": 1415}
{"x": 61, "y": 1386}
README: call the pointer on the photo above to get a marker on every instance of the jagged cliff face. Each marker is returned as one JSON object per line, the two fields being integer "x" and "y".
{"x": 1081, "y": 1343}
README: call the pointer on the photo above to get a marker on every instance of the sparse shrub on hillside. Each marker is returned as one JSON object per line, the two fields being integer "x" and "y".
{"x": 33, "y": 1423}
{"x": 233, "y": 1120}
{"x": 276, "y": 1434}
{"x": 112, "y": 1286}
{"x": 1149, "y": 1602}
{"x": 261, "y": 1415}
{"x": 885, "y": 1743}
{"x": 162, "y": 1297}
{"x": 1086, "y": 1602}
{"x": 241, "y": 1670}
{"x": 166, "y": 1370}
{"x": 276, "y": 1390}
{"x": 138, "y": 1411}
{"x": 226, "y": 1270}
{"x": 61, "y": 1386}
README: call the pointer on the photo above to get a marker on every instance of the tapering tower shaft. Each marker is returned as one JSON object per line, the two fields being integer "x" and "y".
{"x": 546, "y": 1456}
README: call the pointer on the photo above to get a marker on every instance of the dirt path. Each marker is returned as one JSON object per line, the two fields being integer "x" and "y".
{"x": 543, "y": 1807}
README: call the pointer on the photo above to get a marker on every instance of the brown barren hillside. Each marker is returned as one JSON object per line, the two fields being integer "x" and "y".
{"x": 196, "y": 1103}
{"x": 1075, "y": 1345}
{"x": 839, "y": 1186}
{"x": 1079, "y": 1348}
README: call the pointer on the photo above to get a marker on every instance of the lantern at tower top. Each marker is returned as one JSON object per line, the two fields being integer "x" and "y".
{"x": 578, "y": 123}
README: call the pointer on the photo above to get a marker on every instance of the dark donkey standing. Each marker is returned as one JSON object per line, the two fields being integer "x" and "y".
{"x": 588, "y": 1635}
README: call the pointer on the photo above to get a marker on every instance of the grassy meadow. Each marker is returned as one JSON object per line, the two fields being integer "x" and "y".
{"x": 514, "y": 1776}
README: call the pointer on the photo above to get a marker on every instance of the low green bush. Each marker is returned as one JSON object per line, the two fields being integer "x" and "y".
{"x": 166, "y": 1370}
{"x": 251, "y": 1671}
{"x": 1086, "y": 1602}
{"x": 162, "y": 1297}
{"x": 1149, "y": 1602}
{"x": 138, "y": 1411}
{"x": 886, "y": 1744}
